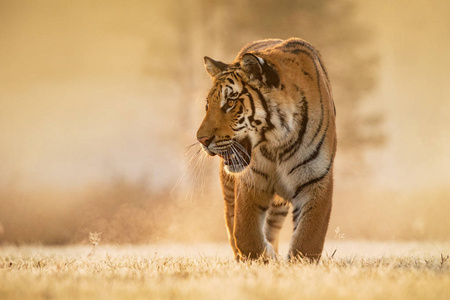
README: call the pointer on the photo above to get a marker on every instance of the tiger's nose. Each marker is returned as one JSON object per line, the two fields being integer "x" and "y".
{"x": 205, "y": 140}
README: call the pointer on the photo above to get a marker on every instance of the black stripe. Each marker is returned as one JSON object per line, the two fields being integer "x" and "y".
{"x": 295, "y": 51}
{"x": 224, "y": 74}
{"x": 273, "y": 223}
{"x": 312, "y": 181}
{"x": 307, "y": 211}
{"x": 321, "y": 104}
{"x": 282, "y": 119}
{"x": 241, "y": 110}
{"x": 266, "y": 108}
{"x": 295, "y": 217}
{"x": 259, "y": 142}
{"x": 271, "y": 75}
{"x": 252, "y": 104}
{"x": 317, "y": 179}
{"x": 278, "y": 213}
{"x": 296, "y": 43}
{"x": 291, "y": 149}
{"x": 239, "y": 128}
{"x": 295, "y": 212}
{"x": 261, "y": 208}
{"x": 266, "y": 154}
{"x": 260, "y": 45}
{"x": 297, "y": 221}
{"x": 263, "y": 101}
{"x": 315, "y": 153}
{"x": 228, "y": 188}
{"x": 228, "y": 192}
{"x": 229, "y": 200}
{"x": 266, "y": 176}
{"x": 319, "y": 58}
{"x": 314, "y": 53}
{"x": 307, "y": 75}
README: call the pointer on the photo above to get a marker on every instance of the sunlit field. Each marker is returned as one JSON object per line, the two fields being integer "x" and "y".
{"x": 104, "y": 193}
{"x": 348, "y": 270}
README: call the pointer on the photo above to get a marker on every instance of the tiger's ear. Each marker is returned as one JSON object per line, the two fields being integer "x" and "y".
{"x": 252, "y": 65}
{"x": 214, "y": 67}
{"x": 258, "y": 69}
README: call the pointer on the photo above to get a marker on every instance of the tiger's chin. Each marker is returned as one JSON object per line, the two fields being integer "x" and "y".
{"x": 233, "y": 164}
{"x": 238, "y": 159}
{"x": 235, "y": 168}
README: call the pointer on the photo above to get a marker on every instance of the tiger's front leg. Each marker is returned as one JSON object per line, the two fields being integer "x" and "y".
{"x": 251, "y": 206}
{"x": 228, "y": 189}
{"x": 311, "y": 221}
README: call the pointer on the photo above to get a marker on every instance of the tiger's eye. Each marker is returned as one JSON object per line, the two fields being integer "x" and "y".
{"x": 230, "y": 103}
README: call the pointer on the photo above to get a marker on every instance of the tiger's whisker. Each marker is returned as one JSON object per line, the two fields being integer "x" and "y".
{"x": 190, "y": 146}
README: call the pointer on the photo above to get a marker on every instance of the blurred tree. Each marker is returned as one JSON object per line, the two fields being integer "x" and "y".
{"x": 220, "y": 29}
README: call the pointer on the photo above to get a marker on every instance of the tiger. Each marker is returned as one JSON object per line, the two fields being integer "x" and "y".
{"x": 270, "y": 117}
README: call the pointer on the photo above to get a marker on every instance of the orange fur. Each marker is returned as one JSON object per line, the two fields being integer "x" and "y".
{"x": 271, "y": 117}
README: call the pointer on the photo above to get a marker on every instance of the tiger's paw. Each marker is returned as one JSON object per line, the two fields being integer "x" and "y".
{"x": 265, "y": 254}
{"x": 269, "y": 252}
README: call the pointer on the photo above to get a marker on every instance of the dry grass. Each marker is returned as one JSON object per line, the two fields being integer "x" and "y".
{"x": 381, "y": 271}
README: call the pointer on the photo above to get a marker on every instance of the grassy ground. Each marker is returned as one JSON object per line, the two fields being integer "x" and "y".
{"x": 357, "y": 270}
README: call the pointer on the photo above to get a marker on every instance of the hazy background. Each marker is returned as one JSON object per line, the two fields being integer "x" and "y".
{"x": 99, "y": 100}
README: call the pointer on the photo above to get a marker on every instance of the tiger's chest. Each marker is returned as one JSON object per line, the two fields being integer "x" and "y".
{"x": 272, "y": 174}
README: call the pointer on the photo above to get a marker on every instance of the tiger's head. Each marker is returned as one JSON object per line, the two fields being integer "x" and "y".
{"x": 237, "y": 112}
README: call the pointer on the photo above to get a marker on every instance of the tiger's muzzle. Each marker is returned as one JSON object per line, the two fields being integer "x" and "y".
{"x": 236, "y": 155}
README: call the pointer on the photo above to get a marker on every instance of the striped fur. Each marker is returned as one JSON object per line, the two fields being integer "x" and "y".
{"x": 270, "y": 116}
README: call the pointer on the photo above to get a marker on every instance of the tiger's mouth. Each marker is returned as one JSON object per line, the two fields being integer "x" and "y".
{"x": 238, "y": 156}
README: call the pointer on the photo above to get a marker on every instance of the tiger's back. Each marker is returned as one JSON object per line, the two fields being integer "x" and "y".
{"x": 275, "y": 132}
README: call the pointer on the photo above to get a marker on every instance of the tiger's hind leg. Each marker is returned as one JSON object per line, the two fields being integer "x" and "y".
{"x": 311, "y": 218}
{"x": 275, "y": 217}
